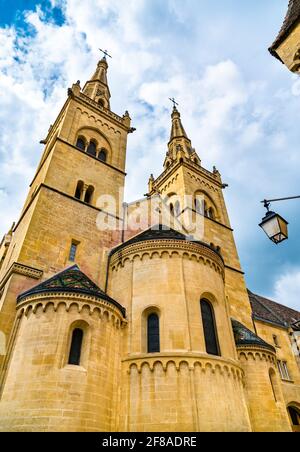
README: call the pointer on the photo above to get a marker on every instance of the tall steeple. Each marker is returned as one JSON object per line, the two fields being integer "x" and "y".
{"x": 97, "y": 88}
{"x": 179, "y": 146}
{"x": 177, "y": 130}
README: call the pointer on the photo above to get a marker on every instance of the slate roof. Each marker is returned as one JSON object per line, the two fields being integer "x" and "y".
{"x": 243, "y": 337}
{"x": 291, "y": 19}
{"x": 160, "y": 232}
{"x": 71, "y": 280}
{"x": 272, "y": 312}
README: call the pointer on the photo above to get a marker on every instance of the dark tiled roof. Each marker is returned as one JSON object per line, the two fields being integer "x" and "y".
{"x": 158, "y": 232}
{"x": 243, "y": 337}
{"x": 71, "y": 280}
{"x": 269, "y": 311}
{"x": 161, "y": 232}
{"x": 291, "y": 19}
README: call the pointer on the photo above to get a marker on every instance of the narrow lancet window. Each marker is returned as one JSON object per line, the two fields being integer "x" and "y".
{"x": 153, "y": 334}
{"x": 76, "y": 346}
{"x": 209, "y": 328}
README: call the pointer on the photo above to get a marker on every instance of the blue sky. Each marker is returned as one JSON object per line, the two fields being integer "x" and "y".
{"x": 239, "y": 105}
{"x": 12, "y": 11}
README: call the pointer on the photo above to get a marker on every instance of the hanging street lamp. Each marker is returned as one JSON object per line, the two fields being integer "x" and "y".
{"x": 273, "y": 224}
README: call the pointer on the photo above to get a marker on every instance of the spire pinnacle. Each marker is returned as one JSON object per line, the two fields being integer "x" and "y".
{"x": 180, "y": 146}
{"x": 177, "y": 130}
{"x": 97, "y": 87}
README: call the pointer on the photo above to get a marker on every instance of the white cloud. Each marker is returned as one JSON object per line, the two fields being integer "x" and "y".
{"x": 287, "y": 289}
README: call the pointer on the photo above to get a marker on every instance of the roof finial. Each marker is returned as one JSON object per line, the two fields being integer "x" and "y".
{"x": 174, "y": 103}
{"x": 105, "y": 54}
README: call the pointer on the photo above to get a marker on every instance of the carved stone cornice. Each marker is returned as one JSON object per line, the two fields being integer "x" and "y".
{"x": 206, "y": 363}
{"x": 21, "y": 269}
{"x": 255, "y": 353}
{"x": 67, "y": 300}
{"x": 172, "y": 247}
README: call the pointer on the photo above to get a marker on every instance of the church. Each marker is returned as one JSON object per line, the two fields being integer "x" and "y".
{"x": 136, "y": 317}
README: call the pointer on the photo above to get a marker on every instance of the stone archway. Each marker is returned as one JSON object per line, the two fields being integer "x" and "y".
{"x": 294, "y": 415}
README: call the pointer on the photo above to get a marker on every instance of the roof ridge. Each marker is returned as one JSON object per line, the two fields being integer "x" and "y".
{"x": 292, "y": 17}
{"x": 274, "y": 302}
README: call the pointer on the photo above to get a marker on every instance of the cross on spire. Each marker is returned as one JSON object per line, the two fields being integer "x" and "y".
{"x": 174, "y": 102}
{"x": 105, "y": 53}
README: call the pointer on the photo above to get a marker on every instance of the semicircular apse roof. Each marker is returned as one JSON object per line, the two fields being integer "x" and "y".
{"x": 243, "y": 337}
{"x": 71, "y": 280}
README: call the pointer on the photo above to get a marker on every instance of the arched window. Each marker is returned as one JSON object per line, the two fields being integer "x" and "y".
{"x": 209, "y": 328}
{"x": 92, "y": 149}
{"x": 81, "y": 143}
{"x": 102, "y": 155}
{"x": 295, "y": 416}
{"x": 211, "y": 213}
{"x": 153, "y": 333}
{"x": 274, "y": 385}
{"x": 76, "y": 346}
{"x": 101, "y": 102}
{"x": 79, "y": 190}
{"x": 89, "y": 195}
{"x": 172, "y": 209}
{"x": 177, "y": 208}
{"x": 198, "y": 206}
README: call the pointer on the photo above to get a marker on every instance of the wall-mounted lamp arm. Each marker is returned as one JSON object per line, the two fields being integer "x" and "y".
{"x": 267, "y": 202}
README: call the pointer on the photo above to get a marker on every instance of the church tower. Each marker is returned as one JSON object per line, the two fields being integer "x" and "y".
{"x": 195, "y": 195}
{"x": 105, "y": 328}
{"x": 63, "y": 216}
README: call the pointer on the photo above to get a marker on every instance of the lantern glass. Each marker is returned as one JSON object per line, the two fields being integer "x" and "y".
{"x": 275, "y": 227}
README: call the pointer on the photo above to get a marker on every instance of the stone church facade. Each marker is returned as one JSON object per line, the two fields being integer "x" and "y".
{"x": 134, "y": 317}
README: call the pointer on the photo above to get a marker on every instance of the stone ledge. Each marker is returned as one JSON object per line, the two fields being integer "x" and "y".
{"x": 56, "y": 299}
{"x": 204, "y": 361}
{"x": 21, "y": 269}
{"x": 172, "y": 247}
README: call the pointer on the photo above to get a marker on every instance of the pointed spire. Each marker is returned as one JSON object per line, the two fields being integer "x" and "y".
{"x": 97, "y": 87}
{"x": 101, "y": 71}
{"x": 180, "y": 146}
